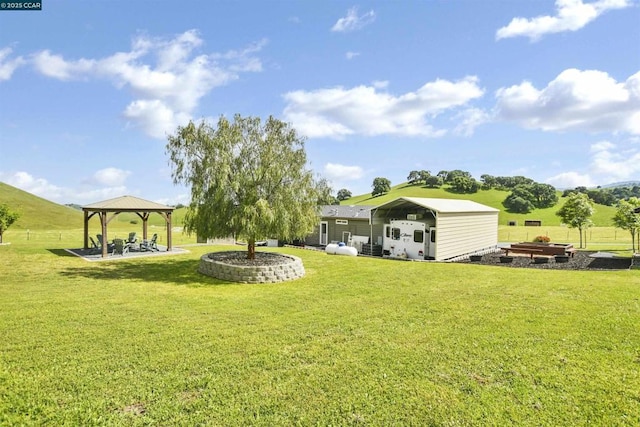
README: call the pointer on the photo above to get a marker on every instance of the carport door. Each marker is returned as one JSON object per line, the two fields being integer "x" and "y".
{"x": 324, "y": 232}
{"x": 432, "y": 243}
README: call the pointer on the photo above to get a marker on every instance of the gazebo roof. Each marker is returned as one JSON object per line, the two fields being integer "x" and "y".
{"x": 127, "y": 203}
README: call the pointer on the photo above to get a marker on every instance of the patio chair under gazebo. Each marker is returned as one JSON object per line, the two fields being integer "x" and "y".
{"x": 142, "y": 208}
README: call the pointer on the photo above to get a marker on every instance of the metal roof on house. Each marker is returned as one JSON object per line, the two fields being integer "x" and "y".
{"x": 346, "y": 211}
{"x": 127, "y": 203}
{"x": 439, "y": 205}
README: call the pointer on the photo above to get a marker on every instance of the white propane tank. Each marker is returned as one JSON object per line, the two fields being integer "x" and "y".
{"x": 347, "y": 250}
{"x": 331, "y": 248}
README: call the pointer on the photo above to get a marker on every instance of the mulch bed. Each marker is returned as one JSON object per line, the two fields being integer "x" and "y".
{"x": 582, "y": 260}
{"x": 240, "y": 258}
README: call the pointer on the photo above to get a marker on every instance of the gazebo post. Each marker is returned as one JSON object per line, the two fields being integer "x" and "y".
{"x": 169, "y": 231}
{"x": 145, "y": 225}
{"x": 103, "y": 222}
{"x": 86, "y": 230}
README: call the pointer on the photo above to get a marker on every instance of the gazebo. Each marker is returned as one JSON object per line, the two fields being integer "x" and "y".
{"x": 142, "y": 208}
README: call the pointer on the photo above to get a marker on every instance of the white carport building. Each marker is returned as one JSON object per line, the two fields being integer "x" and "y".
{"x": 453, "y": 228}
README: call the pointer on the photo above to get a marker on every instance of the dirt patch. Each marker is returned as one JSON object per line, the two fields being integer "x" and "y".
{"x": 582, "y": 260}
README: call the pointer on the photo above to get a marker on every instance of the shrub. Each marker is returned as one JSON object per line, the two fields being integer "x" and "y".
{"x": 133, "y": 221}
{"x": 542, "y": 239}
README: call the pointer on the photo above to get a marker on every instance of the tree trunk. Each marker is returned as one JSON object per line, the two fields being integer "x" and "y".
{"x": 0, "y": 237}
{"x": 251, "y": 249}
{"x": 580, "y": 230}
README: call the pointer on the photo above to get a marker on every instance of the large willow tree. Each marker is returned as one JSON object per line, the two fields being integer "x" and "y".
{"x": 248, "y": 179}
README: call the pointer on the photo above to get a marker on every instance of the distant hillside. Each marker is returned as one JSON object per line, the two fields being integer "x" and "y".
{"x": 493, "y": 198}
{"x": 621, "y": 184}
{"x": 37, "y": 213}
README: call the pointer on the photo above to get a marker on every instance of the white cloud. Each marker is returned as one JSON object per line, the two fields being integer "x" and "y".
{"x": 165, "y": 92}
{"x": 155, "y": 117}
{"x": 588, "y": 100}
{"x": 351, "y": 55}
{"x": 55, "y": 66}
{"x": 337, "y": 112}
{"x": 352, "y": 21}
{"x": 8, "y": 66}
{"x": 338, "y": 172}
{"x": 469, "y": 120}
{"x": 109, "y": 183}
{"x": 615, "y": 163}
{"x": 571, "y": 180}
{"x": 38, "y": 186}
{"x": 609, "y": 163}
{"x": 111, "y": 177}
{"x": 571, "y": 15}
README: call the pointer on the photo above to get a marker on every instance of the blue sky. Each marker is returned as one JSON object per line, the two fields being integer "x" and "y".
{"x": 549, "y": 90}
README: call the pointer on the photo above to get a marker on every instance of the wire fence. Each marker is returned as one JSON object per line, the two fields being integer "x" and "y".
{"x": 611, "y": 236}
{"x": 75, "y": 238}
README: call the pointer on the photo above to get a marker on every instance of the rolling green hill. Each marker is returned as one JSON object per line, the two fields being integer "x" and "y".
{"x": 37, "y": 213}
{"x": 493, "y": 198}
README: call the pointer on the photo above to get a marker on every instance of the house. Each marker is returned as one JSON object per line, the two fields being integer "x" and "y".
{"x": 410, "y": 225}
{"x": 349, "y": 224}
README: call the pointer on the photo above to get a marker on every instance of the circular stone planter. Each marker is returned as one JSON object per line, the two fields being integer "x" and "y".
{"x": 506, "y": 259}
{"x": 268, "y": 267}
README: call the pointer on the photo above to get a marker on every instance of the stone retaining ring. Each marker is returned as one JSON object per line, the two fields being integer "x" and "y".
{"x": 290, "y": 269}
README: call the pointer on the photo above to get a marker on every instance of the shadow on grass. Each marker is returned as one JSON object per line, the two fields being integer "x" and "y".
{"x": 175, "y": 271}
{"x": 60, "y": 252}
{"x": 610, "y": 263}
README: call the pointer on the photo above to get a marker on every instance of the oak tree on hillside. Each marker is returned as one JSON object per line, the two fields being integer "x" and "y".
{"x": 343, "y": 194}
{"x": 7, "y": 217}
{"x": 248, "y": 179}
{"x": 380, "y": 186}
{"x": 464, "y": 185}
{"x": 576, "y": 212}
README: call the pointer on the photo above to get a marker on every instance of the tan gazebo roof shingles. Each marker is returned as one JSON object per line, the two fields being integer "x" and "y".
{"x": 128, "y": 203}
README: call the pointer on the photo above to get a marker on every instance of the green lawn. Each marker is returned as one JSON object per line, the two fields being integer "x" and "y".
{"x": 358, "y": 341}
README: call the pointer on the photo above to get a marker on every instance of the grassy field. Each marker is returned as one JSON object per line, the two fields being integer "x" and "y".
{"x": 358, "y": 341}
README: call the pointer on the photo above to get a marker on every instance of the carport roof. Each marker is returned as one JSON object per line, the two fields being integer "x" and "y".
{"x": 439, "y": 205}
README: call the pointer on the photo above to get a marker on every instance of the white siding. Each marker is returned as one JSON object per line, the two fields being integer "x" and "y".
{"x": 463, "y": 233}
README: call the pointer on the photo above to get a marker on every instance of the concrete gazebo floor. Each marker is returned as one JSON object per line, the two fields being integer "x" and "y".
{"x": 92, "y": 255}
